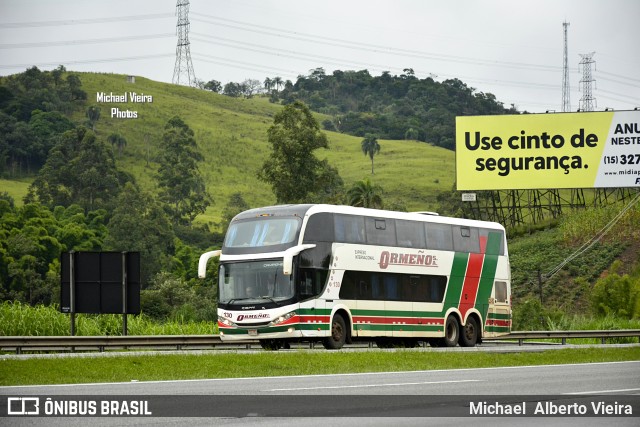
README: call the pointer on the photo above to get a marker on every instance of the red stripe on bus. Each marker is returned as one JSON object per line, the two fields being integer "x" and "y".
{"x": 308, "y": 319}
{"x": 483, "y": 244}
{"x": 471, "y": 282}
{"x": 491, "y": 322}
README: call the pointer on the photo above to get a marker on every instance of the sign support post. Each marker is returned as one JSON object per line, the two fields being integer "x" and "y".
{"x": 72, "y": 292}
{"x": 124, "y": 293}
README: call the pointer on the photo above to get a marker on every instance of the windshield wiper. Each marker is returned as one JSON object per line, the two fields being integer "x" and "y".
{"x": 231, "y": 301}
{"x": 271, "y": 299}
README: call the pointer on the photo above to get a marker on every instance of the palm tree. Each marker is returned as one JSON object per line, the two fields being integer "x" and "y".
{"x": 268, "y": 84}
{"x": 277, "y": 81}
{"x": 370, "y": 147}
{"x": 93, "y": 114}
{"x": 365, "y": 194}
{"x": 118, "y": 141}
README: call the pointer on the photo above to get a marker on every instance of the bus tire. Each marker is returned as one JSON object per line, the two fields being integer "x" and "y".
{"x": 469, "y": 333}
{"x": 384, "y": 343}
{"x": 271, "y": 345}
{"x": 338, "y": 334}
{"x": 451, "y": 332}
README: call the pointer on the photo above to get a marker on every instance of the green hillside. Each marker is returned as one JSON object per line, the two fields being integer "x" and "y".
{"x": 232, "y": 135}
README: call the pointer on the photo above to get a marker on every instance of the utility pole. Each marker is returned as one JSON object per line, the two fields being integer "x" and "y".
{"x": 183, "y": 71}
{"x": 566, "y": 101}
{"x": 587, "y": 100}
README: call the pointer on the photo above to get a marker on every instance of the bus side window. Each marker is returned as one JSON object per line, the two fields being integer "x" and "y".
{"x": 437, "y": 285}
{"x": 349, "y": 228}
{"x": 380, "y": 231}
{"x": 410, "y": 234}
{"x": 465, "y": 239}
{"x": 348, "y": 286}
{"x": 391, "y": 286}
{"x": 439, "y": 236}
{"x": 364, "y": 290}
{"x": 377, "y": 287}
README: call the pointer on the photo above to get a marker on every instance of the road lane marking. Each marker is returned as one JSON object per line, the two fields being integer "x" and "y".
{"x": 605, "y": 391}
{"x": 372, "y": 385}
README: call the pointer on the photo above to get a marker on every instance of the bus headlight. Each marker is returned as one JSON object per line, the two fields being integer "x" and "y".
{"x": 282, "y": 318}
{"x": 226, "y": 322}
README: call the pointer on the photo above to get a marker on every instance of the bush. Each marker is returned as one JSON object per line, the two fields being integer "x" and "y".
{"x": 617, "y": 295}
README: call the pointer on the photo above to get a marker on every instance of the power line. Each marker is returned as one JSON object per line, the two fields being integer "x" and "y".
{"x": 595, "y": 239}
{"x": 82, "y": 42}
{"x": 331, "y": 41}
{"x": 89, "y": 61}
{"x": 10, "y": 25}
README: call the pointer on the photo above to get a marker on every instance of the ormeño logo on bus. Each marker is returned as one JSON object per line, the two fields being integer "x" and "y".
{"x": 242, "y": 317}
{"x": 398, "y": 258}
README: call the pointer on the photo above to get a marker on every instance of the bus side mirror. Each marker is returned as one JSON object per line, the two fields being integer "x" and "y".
{"x": 202, "y": 263}
{"x": 287, "y": 261}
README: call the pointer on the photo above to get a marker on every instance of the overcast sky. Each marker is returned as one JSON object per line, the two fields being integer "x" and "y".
{"x": 513, "y": 49}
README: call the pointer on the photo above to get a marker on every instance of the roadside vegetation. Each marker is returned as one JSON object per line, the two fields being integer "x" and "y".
{"x": 237, "y": 365}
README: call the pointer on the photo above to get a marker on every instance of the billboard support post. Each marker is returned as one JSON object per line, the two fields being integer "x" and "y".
{"x": 124, "y": 293}
{"x": 72, "y": 293}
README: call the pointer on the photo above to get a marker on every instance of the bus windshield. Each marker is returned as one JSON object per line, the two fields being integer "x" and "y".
{"x": 261, "y": 232}
{"x": 257, "y": 280}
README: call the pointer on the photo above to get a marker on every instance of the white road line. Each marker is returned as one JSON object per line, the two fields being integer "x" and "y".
{"x": 372, "y": 385}
{"x": 605, "y": 391}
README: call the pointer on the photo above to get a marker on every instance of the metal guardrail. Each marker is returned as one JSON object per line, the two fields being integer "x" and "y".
{"x": 565, "y": 335}
{"x": 22, "y": 343}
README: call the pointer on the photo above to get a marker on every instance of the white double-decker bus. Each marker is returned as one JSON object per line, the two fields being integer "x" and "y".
{"x": 336, "y": 274}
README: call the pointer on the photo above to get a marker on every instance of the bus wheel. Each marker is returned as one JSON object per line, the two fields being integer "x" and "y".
{"x": 384, "y": 343}
{"x": 451, "y": 332}
{"x": 469, "y": 333}
{"x": 338, "y": 334}
{"x": 270, "y": 345}
{"x": 409, "y": 343}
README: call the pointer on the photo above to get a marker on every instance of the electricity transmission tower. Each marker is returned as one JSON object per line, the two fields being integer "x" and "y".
{"x": 183, "y": 71}
{"x": 566, "y": 101}
{"x": 587, "y": 100}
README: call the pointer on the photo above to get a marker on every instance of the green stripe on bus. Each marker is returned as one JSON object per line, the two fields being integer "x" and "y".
{"x": 456, "y": 280}
{"x": 314, "y": 311}
{"x": 486, "y": 284}
{"x": 493, "y": 243}
{"x": 488, "y": 275}
{"x": 499, "y": 316}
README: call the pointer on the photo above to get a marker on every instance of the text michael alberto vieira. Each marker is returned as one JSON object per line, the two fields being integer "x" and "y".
{"x": 123, "y": 98}
{"x": 593, "y": 408}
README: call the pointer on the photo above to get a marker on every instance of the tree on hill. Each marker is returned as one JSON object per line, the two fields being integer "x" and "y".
{"x": 213, "y": 85}
{"x": 365, "y": 194}
{"x": 93, "y": 115}
{"x": 139, "y": 223}
{"x": 292, "y": 170}
{"x": 79, "y": 169}
{"x": 235, "y": 205}
{"x": 118, "y": 141}
{"x": 370, "y": 147}
{"x": 181, "y": 184}
{"x": 389, "y": 106}
{"x": 40, "y": 90}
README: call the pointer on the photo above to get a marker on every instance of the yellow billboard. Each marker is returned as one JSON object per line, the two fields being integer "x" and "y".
{"x": 536, "y": 151}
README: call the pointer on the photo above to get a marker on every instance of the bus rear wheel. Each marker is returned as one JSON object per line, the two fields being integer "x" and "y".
{"x": 338, "y": 334}
{"x": 451, "y": 332}
{"x": 469, "y": 333}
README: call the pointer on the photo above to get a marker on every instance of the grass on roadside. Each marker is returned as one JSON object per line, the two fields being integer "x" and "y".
{"x": 235, "y": 365}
